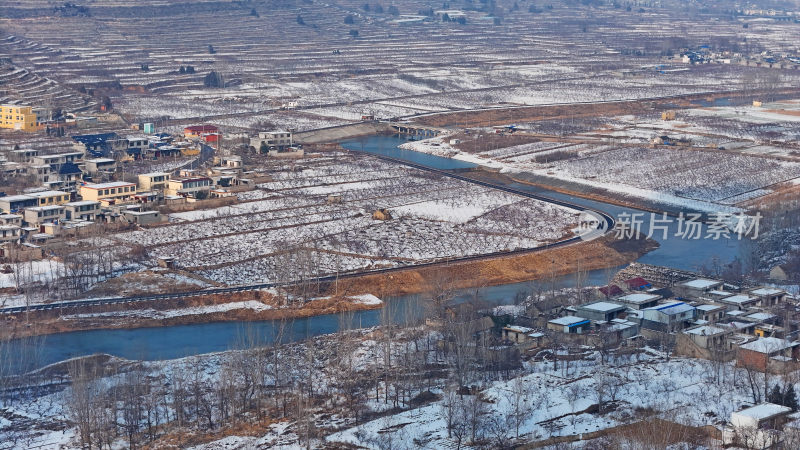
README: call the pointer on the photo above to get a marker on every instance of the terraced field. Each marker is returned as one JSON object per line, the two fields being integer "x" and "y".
{"x": 266, "y": 58}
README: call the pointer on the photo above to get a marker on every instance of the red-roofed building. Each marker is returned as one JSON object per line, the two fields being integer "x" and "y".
{"x": 196, "y": 131}
{"x": 638, "y": 283}
{"x": 612, "y": 290}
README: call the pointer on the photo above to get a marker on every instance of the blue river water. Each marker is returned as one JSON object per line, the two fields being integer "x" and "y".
{"x": 183, "y": 340}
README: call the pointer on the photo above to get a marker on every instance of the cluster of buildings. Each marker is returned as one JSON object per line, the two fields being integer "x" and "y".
{"x": 767, "y": 59}
{"x": 28, "y": 118}
{"x": 701, "y": 317}
{"x": 37, "y": 215}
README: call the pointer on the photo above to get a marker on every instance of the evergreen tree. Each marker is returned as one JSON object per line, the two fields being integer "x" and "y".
{"x": 775, "y": 396}
{"x": 790, "y": 398}
{"x": 264, "y": 149}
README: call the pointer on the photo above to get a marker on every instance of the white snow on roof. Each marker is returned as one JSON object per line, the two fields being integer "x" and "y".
{"x": 760, "y": 316}
{"x": 706, "y": 330}
{"x": 602, "y": 306}
{"x": 766, "y": 291}
{"x": 518, "y": 329}
{"x": 111, "y": 184}
{"x": 639, "y": 298}
{"x": 764, "y": 411}
{"x": 701, "y": 283}
{"x": 709, "y": 307}
{"x": 721, "y": 293}
{"x": 568, "y": 320}
{"x": 741, "y": 298}
{"x": 768, "y": 345}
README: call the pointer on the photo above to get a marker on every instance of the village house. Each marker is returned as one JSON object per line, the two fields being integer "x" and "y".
{"x": 639, "y": 300}
{"x": 47, "y": 198}
{"x": 11, "y": 219}
{"x": 192, "y": 186}
{"x": 272, "y": 140}
{"x": 708, "y": 337}
{"x": 110, "y": 193}
{"x": 768, "y": 297}
{"x": 10, "y": 234}
{"x": 766, "y": 353}
{"x": 638, "y": 284}
{"x": 616, "y": 331}
{"x": 569, "y": 324}
{"x": 757, "y": 427}
{"x": 16, "y": 203}
{"x": 710, "y": 312}
{"x": 739, "y": 301}
{"x": 38, "y": 215}
{"x": 668, "y": 317}
{"x": 610, "y": 291}
{"x": 199, "y": 131}
{"x": 85, "y": 210}
{"x": 154, "y": 181}
{"x": 55, "y": 161}
{"x": 516, "y": 334}
{"x": 100, "y": 166}
{"x": 694, "y": 289}
{"x": 600, "y": 311}
{"x": 142, "y": 217}
{"x": 18, "y": 117}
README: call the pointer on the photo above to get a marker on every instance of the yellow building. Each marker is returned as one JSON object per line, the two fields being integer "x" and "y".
{"x": 109, "y": 193}
{"x": 17, "y": 117}
{"x": 155, "y": 181}
{"x": 49, "y": 198}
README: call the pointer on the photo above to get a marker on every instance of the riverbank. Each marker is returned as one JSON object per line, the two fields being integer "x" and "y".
{"x": 574, "y": 189}
{"x": 193, "y": 309}
{"x": 352, "y": 294}
{"x": 603, "y": 253}
{"x": 338, "y": 133}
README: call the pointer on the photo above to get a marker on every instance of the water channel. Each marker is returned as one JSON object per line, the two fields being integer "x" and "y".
{"x": 183, "y": 340}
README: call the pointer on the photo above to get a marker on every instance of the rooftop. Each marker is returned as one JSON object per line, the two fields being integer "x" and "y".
{"x": 82, "y": 203}
{"x": 639, "y": 298}
{"x": 766, "y": 291}
{"x": 111, "y": 184}
{"x": 568, "y": 320}
{"x": 602, "y": 306}
{"x": 764, "y": 411}
{"x": 701, "y": 283}
{"x": 44, "y": 208}
{"x": 672, "y": 308}
{"x": 709, "y": 307}
{"x": 768, "y": 345}
{"x": 760, "y": 316}
{"x": 47, "y": 193}
{"x": 740, "y": 298}
{"x": 518, "y": 329}
{"x": 705, "y": 330}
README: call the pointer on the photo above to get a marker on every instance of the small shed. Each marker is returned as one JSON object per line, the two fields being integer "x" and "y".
{"x": 166, "y": 262}
{"x": 382, "y": 214}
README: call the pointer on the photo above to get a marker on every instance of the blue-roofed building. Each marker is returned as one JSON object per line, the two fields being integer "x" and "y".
{"x": 569, "y": 324}
{"x": 97, "y": 145}
{"x": 668, "y": 317}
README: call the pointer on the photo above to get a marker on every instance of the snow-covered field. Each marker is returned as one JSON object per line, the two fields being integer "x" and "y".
{"x": 704, "y": 179}
{"x": 320, "y": 217}
{"x": 548, "y": 402}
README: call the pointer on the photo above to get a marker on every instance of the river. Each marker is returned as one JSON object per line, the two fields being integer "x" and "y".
{"x": 183, "y": 340}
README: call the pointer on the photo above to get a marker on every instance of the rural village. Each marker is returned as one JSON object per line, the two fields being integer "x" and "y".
{"x": 491, "y": 224}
